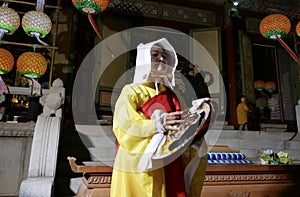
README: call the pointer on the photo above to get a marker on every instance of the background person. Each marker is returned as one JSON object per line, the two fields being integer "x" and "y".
{"x": 242, "y": 113}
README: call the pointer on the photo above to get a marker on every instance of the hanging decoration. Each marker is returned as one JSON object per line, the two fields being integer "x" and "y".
{"x": 37, "y": 23}
{"x": 259, "y": 84}
{"x": 6, "y": 61}
{"x": 270, "y": 86}
{"x": 90, "y": 7}
{"x": 3, "y": 87}
{"x": 6, "y": 65}
{"x": 275, "y": 26}
{"x": 9, "y": 20}
{"x": 14, "y": 99}
{"x": 32, "y": 64}
{"x": 35, "y": 87}
{"x": 298, "y": 29}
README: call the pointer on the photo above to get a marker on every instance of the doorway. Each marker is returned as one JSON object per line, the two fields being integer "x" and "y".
{"x": 274, "y": 93}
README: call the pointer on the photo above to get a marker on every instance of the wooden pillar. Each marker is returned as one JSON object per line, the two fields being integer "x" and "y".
{"x": 231, "y": 70}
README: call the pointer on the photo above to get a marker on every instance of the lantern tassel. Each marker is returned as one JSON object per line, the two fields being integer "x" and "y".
{"x": 3, "y": 87}
{"x": 94, "y": 25}
{"x": 287, "y": 48}
{"x": 2, "y": 32}
{"x": 37, "y": 35}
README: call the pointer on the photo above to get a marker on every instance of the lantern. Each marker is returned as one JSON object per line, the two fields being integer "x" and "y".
{"x": 6, "y": 61}
{"x": 9, "y": 20}
{"x": 261, "y": 102}
{"x": 91, "y": 6}
{"x": 14, "y": 100}
{"x": 276, "y": 26}
{"x": 298, "y": 29}
{"x": 259, "y": 84}
{"x": 270, "y": 86}
{"x": 32, "y": 64}
{"x": 36, "y": 23}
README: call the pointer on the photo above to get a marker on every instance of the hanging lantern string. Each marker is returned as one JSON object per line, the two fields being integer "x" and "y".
{"x": 5, "y": 4}
{"x": 94, "y": 25}
{"x": 40, "y": 5}
{"x": 2, "y": 32}
{"x": 287, "y": 48}
{"x": 37, "y": 35}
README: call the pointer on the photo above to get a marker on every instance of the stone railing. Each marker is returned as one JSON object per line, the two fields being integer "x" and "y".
{"x": 44, "y": 150}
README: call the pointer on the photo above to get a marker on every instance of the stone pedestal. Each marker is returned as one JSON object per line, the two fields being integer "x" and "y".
{"x": 43, "y": 158}
{"x": 15, "y": 146}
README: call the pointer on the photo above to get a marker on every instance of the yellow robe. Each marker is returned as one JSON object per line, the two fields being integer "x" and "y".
{"x": 242, "y": 113}
{"x": 134, "y": 131}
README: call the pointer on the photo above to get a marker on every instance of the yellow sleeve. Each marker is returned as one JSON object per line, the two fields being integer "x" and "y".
{"x": 130, "y": 125}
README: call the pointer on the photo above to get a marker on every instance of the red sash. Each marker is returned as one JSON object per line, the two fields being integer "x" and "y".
{"x": 166, "y": 101}
{"x": 174, "y": 172}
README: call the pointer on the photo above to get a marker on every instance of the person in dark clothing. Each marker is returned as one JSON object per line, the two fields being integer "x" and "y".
{"x": 197, "y": 81}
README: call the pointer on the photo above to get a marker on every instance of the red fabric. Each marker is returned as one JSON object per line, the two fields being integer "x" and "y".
{"x": 166, "y": 101}
{"x": 174, "y": 177}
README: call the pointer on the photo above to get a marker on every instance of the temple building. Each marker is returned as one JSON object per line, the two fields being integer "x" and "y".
{"x": 63, "y": 65}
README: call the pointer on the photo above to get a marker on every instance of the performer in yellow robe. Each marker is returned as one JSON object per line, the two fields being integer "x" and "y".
{"x": 155, "y": 67}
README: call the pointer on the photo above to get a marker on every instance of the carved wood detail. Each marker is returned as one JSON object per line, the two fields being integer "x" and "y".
{"x": 246, "y": 177}
{"x": 99, "y": 179}
{"x": 238, "y": 194}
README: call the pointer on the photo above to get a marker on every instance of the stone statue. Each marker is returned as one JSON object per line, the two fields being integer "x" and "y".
{"x": 54, "y": 100}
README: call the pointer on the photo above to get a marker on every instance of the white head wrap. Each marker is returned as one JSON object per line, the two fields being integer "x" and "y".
{"x": 143, "y": 60}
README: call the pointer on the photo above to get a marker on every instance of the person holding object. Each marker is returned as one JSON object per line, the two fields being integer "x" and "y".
{"x": 144, "y": 112}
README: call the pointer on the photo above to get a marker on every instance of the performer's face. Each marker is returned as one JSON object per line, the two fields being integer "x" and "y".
{"x": 158, "y": 61}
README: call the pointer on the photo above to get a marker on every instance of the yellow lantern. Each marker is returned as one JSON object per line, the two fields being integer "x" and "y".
{"x": 36, "y": 23}
{"x": 32, "y": 64}
{"x": 9, "y": 20}
{"x": 6, "y": 61}
{"x": 259, "y": 84}
{"x": 270, "y": 86}
{"x": 275, "y": 24}
{"x": 298, "y": 29}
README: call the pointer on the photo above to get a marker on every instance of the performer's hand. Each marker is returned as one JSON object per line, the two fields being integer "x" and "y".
{"x": 171, "y": 120}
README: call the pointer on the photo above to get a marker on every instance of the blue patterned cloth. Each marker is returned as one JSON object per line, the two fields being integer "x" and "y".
{"x": 226, "y": 158}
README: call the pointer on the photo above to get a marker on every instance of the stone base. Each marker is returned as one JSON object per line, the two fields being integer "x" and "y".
{"x": 37, "y": 187}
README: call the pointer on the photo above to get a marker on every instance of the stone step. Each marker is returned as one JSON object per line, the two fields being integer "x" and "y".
{"x": 236, "y": 134}
{"x": 269, "y": 125}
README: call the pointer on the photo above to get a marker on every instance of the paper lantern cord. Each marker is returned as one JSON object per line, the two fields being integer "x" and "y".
{"x": 287, "y": 48}
{"x": 95, "y": 27}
